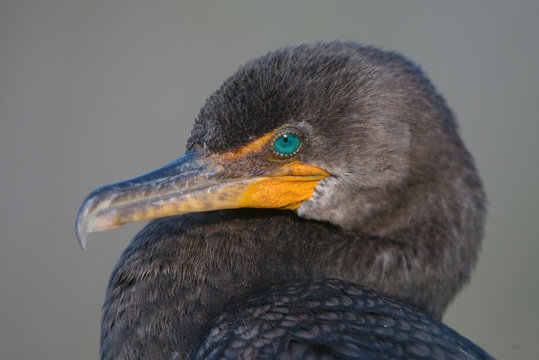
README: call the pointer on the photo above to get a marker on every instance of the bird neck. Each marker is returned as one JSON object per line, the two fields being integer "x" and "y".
{"x": 180, "y": 272}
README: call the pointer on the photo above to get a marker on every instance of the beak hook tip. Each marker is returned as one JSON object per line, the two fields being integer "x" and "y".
{"x": 81, "y": 229}
{"x": 82, "y": 241}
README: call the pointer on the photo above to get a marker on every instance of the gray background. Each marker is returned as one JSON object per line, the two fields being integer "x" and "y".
{"x": 93, "y": 92}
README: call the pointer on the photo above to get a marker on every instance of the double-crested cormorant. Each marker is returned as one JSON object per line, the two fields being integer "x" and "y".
{"x": 383, "y": 221}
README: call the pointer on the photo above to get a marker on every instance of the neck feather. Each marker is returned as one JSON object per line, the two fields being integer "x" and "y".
{"x": 182, "y": 271}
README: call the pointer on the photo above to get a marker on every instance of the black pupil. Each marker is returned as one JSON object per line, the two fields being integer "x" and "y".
{"x": 285, "y": 139}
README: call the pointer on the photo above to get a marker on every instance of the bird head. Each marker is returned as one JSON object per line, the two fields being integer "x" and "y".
{"x": 336, "y": 132}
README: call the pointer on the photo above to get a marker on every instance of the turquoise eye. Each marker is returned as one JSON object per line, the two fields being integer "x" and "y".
{"x": 286, "y": 144}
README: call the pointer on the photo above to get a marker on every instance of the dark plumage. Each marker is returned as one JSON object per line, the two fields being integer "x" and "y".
{"x": 397, "y": 207}
{"x": 330, "y": 318}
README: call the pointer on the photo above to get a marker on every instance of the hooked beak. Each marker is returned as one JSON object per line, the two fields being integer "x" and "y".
{"x": 196, "y": 183}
